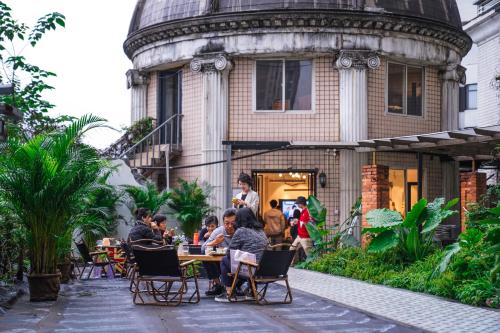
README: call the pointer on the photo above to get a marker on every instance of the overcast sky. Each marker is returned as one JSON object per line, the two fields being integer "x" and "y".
{"x": 88, "y": 57}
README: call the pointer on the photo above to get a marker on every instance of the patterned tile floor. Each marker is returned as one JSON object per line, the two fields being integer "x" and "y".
{"x": 106, "y": 306}
{"x": 419, "y": 310}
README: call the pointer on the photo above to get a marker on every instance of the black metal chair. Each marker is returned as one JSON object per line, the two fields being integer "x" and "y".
{"x": 132, "y": 271}
{"x": 90, "y": 259}
{"x": 273, "y": 267}
{"x": 161, "y": 264}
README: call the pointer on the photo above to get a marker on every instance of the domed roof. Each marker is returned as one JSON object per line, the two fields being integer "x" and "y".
{"x": 153, "y": 12}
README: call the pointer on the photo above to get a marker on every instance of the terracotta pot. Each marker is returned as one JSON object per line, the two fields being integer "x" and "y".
{"x": 65, "y": 269}
{"x": 44, "y": 287}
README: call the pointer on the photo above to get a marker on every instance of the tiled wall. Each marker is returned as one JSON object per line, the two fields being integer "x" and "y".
{"x": 432, "y": 186}
{"x": 297, "y": 159}
{"x": 152, "y": 92}
{"x": 321, "y": 125}
{"x": 383, "y": 125}
{"x": 191, "y": 127}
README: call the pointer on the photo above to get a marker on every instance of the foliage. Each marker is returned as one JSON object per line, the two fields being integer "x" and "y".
{"x": 146, "y": 196}
{"x": 13, "y": 236}
{"x": 411, "y": 236}
{"x": 327, "y": 239}
{"x": 190, "y": 205}
{"x": 27, "y": 97}
{"x": 389, "y": 269}
{"x": 44, "y": 179}
{"x": 133, "y": 134}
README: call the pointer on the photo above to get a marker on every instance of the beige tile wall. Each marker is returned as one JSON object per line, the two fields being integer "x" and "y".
{"x": 152, "y": 92}
{"x": 191, "y": 127}
{"x": 322, "y": 125}
{"x": 382, "y": 124}
{"x": 432, "y": 186}
{"x": 297, "y": 159}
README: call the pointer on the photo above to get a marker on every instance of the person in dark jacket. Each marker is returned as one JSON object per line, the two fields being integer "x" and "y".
{"x": 249, "y": 237}
{"x": 161, "y": 222}
{"x": 144, "y": 228}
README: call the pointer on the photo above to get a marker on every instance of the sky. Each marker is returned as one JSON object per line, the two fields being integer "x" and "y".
{"x": 88, "y": 57}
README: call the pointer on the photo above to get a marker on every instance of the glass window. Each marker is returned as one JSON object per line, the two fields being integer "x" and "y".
{"x": 401, "y": 78}
{"x": 298, "y": 74}
{"x": 471, "y": 96}
{"x": 395, "y": 88}
{"x": 414, "y": 91}
{"x": 170, "y": 103}
{"x": 283, "y": 85}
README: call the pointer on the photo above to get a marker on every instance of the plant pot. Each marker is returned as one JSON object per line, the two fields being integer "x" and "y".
{"x": 65, "y": 269}
{"x": 44, "y": 287}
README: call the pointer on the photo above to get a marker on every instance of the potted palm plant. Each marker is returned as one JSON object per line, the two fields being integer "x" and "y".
{"x": 44, "y": 179}
{"x": 190, "y": 206}
{"x": 146, "y": 196}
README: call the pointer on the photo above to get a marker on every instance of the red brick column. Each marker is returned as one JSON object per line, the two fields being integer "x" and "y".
{"x": 375, "y": 190}
{"x": 472, "y": 187}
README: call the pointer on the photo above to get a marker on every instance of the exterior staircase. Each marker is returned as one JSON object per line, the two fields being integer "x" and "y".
{"x": 155, "y": 151}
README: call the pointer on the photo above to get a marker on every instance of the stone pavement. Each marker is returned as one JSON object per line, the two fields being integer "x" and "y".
{"x": 419, "y": 310}
{"x": 106, "y": 306}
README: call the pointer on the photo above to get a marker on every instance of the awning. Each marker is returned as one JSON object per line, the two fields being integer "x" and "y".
{"x": 477, "y": 143}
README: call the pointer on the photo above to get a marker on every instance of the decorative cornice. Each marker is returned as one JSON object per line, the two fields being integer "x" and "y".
{"x": 357, "y": 59}
{"x": 136, "y": 78}
{"x": 210, "y": 63}
{"x": 365, "y": 22}
{"x": 454, "y": 73}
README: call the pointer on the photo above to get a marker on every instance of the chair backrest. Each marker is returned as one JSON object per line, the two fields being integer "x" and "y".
{"x": 158, "y": 261}
{"x": 126, "y": 249}
{"x": 275, "y": 263}
{"x": 84, "y": 251}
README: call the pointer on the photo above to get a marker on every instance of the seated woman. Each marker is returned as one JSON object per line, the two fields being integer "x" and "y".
{"x": 211, "y": 223}
{"x": 249, "y": 237}
{"x": 166, "y": 235}
{"x": 144, "y": 229}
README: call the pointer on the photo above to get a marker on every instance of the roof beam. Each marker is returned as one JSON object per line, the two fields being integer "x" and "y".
{"x": 461, "y": 135}
{"x": 486, "y": 131}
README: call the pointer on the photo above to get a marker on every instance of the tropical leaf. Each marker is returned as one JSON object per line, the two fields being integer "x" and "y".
{"x": 414, "y": 214}
{"x": 384, "y": 218}
{"x": 383, "y": 242}
{"x": 316, "y": 209}
{"x": 450, "y": 251}
{"x": 434, "y": 214}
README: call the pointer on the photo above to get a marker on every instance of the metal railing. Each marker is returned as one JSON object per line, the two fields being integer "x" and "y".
{"x": 484, "y": 6}
{"x": 160, "y": 143}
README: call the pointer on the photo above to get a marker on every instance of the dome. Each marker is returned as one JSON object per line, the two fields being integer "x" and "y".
{"x": 150, "y": 13}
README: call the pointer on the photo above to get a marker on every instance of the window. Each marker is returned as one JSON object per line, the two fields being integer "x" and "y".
{"x": 471, "y": 96}
{"x": 169, "y": 104}
{"x": 404, "y": 89}
{"x": 283, "y": 85}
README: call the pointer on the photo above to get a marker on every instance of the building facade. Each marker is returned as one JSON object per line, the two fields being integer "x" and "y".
{"x": 283, "y": 90}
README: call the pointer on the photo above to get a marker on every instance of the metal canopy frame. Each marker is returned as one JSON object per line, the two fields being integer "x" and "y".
{"x": 477, "y": 143}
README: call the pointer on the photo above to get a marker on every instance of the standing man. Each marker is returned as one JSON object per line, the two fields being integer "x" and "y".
{"x": 303, "y": 240}
{"x": 274, "y": 224}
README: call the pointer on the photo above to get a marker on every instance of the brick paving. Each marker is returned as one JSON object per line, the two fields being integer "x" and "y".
{"x": 106, "y": 306}
{"x": 427, "y": 312}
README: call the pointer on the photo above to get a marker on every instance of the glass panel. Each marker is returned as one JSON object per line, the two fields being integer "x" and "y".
{"x": 412, "y": 176}
{"x": 397, "y": 198}
{"x": 169, "y": 103}
{"x": 298, "y": 86}
{"x": 414, "y": 91}
{"x": 472, "y": 96}
{"x": 395, "y": 88}
{"x": 269, "y": 88}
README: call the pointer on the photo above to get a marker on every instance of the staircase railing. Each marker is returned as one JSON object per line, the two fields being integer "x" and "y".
{"x": 162, "y": 141}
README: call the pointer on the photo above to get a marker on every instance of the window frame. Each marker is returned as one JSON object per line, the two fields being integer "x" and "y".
{"x": 405, "y": 89}
{"x": 283, "y": 60}
{"x": 467, "y": 105}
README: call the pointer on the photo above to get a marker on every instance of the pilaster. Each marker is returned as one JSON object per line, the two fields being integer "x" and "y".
{"x": 451, "y": 77}
{"x": 138, "y": 83}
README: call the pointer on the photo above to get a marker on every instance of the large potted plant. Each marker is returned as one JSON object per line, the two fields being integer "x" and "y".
{"x": 189, "y": 202}
{"x": 44, "y": 179}
{"x": 146, "y": 196}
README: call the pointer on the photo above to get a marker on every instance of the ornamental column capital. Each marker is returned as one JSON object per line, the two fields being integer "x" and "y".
{"x": 356, "y": 59}
{"x": 136, "y": 78}
{"x": 211, "y": 63}
{"x": 454, "y": 73}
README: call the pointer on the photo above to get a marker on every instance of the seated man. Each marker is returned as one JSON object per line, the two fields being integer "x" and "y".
{"x": 166, "y": 235}
{"x": 220, "y": 237}
{"x": 143, "y": 228}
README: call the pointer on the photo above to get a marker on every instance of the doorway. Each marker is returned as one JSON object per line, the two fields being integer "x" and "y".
{"x": 403, "y": 189}
{"x": 169, "y": 104}
{"x": 283, "y": 186}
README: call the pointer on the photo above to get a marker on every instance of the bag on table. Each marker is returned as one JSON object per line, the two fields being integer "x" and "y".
{"x": 237, "y": 256}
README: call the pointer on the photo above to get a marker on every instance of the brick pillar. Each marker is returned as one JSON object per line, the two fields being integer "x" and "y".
{"x": 375, "y": 190}
{"x": 472, "y": 187}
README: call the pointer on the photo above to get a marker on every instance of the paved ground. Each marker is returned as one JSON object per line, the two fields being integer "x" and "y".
{"x": 106, "y": 306}
{"x": 415, "y": 309}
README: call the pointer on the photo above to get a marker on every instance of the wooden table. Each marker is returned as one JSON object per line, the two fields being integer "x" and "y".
{"x": 200, "y": 257}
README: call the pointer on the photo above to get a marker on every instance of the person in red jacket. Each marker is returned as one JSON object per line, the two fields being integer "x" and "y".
{"x": 303, "y": 240}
